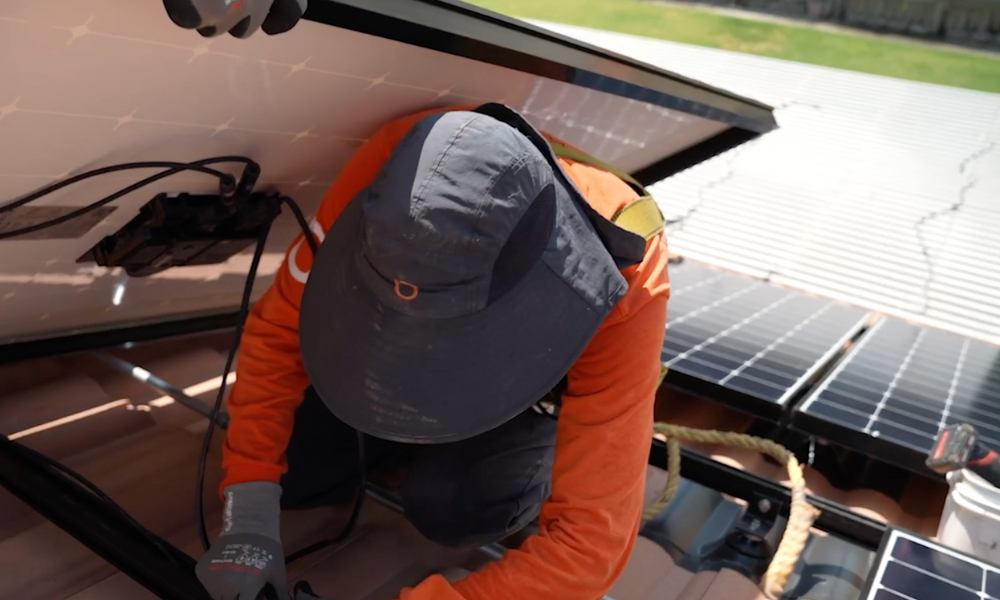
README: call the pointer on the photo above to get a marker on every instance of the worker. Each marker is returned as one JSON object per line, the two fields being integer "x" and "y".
{"x": 463, "y": 273}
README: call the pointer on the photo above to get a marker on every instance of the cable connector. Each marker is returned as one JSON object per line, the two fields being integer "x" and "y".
{"x": 251, "y": 172}
{"x": 185, "y": 229}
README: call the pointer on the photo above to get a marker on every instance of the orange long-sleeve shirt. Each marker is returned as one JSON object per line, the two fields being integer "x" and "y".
{"x": 588, "y": 525}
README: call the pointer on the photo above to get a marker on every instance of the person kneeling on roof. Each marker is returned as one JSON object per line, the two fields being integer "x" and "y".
{"x": 467, "y": 268}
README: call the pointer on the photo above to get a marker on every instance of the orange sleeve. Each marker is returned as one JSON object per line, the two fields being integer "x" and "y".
{"x": 588, "y": 526}
{"x": 270, "y": 377}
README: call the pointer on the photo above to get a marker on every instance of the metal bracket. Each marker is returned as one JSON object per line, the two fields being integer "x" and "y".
{"x": 750, "y": 545}
{"x": 761, "y": 514}
{"x": 144, "y": 376}
{"x": 834, "y": 518}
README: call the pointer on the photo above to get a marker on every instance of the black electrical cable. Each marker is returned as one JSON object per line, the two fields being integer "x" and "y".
{"x": 68, "y": 473}
{"x": 199, "y": 166}
{"x": 227, "y": 182}
{"x": 359, "y": 498}
{"x": 181, "y": 167}
{"x": 303, "y": 225}
{"x": 359, "y": 501}
{"x": 213, "y": 418}
{"x": 207, "y": 441}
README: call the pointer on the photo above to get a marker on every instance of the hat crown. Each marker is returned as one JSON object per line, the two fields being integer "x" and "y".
{"x": 442, "y": 209}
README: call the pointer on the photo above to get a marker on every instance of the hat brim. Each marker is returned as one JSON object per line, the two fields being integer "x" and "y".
{"x": 425, "y": 381}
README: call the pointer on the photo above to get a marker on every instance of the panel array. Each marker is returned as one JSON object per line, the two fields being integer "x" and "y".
{"x": 741, "y": 334}
{"x": 901, "y": 385}
{"x": 910, "y": 567}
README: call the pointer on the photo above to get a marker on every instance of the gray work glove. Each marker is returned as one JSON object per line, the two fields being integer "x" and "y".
{"x": 240, "y": 18}
{"x": 247, "y": 554}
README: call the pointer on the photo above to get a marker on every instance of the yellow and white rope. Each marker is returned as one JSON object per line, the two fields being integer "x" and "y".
{"x": 801, "y": 513}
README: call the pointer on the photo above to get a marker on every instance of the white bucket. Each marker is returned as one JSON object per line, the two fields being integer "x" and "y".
{"x": 971, "y": 518}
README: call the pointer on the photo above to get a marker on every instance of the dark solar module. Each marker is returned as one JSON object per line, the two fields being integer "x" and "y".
{"x": 900, "y": 386}
{"x": 758, "y": 341}
{"x": 909, "y": 567}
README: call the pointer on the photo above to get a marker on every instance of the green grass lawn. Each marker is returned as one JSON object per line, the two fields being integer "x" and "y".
{"x": 803, "y": 44}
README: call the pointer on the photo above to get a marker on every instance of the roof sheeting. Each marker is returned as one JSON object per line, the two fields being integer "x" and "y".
{"x": 876, "y": 191}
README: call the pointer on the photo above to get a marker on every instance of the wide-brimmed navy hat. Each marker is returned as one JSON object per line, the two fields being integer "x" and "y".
{"x": 459, "y": 287}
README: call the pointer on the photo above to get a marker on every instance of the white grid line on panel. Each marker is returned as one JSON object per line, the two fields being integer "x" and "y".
{"x": 880, "y": 567}
{"x": 696, "y": 286}
{"x": 954, "y": 385}
{"x": 823, "y": 360}
{"x": 931, "y": 574}
{"x": 716, "y": 304}
{"x": 895, "y": 380}
{"x": 907, "y": 428}
{"x": 774, "y": 344}
{"x": 731, "y": 329}
{"x": 843, "y": 365}
{"x": 887, "y": 558}
{"x": 876, "y": 588}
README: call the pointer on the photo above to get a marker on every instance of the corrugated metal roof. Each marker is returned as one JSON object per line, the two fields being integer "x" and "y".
{"x": 876, "y": 191}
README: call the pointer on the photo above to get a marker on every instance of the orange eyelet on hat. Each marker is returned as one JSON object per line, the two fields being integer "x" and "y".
{"x": 414, "y": 290}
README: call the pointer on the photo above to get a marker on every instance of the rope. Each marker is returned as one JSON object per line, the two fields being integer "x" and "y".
{"x": 801, "y": 513}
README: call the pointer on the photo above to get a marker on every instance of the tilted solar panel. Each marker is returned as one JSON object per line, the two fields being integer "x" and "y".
{"x": 752, "y": 344}
{"x": 900, "y": 386}
{"x": 300, "y": 105}
{"x": 909, "y": 567}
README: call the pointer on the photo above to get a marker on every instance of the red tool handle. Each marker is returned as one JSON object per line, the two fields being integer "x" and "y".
{"x": 986, "y": 464}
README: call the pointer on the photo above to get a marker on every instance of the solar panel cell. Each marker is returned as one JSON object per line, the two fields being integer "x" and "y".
{"x": 741, "y": 335}
{"x": 929, "y": 560}
{"x": 886, "y": 595}
{"x": 909, "y": 567}
{"x": 920, "y": 586}
{"x": 900, "y": 386}
{"x": 993, "y": 584}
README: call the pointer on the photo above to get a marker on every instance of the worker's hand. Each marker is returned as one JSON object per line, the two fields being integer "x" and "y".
{"x": 238, "y": 567}
{"x": 247, "y": 556}
{"x": 240, "y": 18}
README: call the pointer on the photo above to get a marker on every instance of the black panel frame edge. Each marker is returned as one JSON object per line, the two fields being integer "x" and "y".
{"x": 883, "y": 547}
{"x": 104, "y": 531}
{"x": 115, "y": 336}
{"x": 859, "y": 441}
{"x": 834, "y": 518}
{"x": 464, "y": 30}
{"x": 720, "y": 394}
{"x": 694, "y": 155}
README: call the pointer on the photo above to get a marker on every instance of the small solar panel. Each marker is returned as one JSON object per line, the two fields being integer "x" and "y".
{"x": 900, "y": 386}
{"x": 910, "y": 567}
{"x": 754, "y": 344}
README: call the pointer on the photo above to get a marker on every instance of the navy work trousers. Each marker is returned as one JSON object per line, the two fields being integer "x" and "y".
{"x": 460, "y": 494}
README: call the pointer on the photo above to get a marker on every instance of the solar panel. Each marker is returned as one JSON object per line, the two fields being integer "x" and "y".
{"x": 910, "y": 567}
{"x": 748, "y": 343}
{"x": 900, "y": 386}
{"x": 300, "y": 104}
